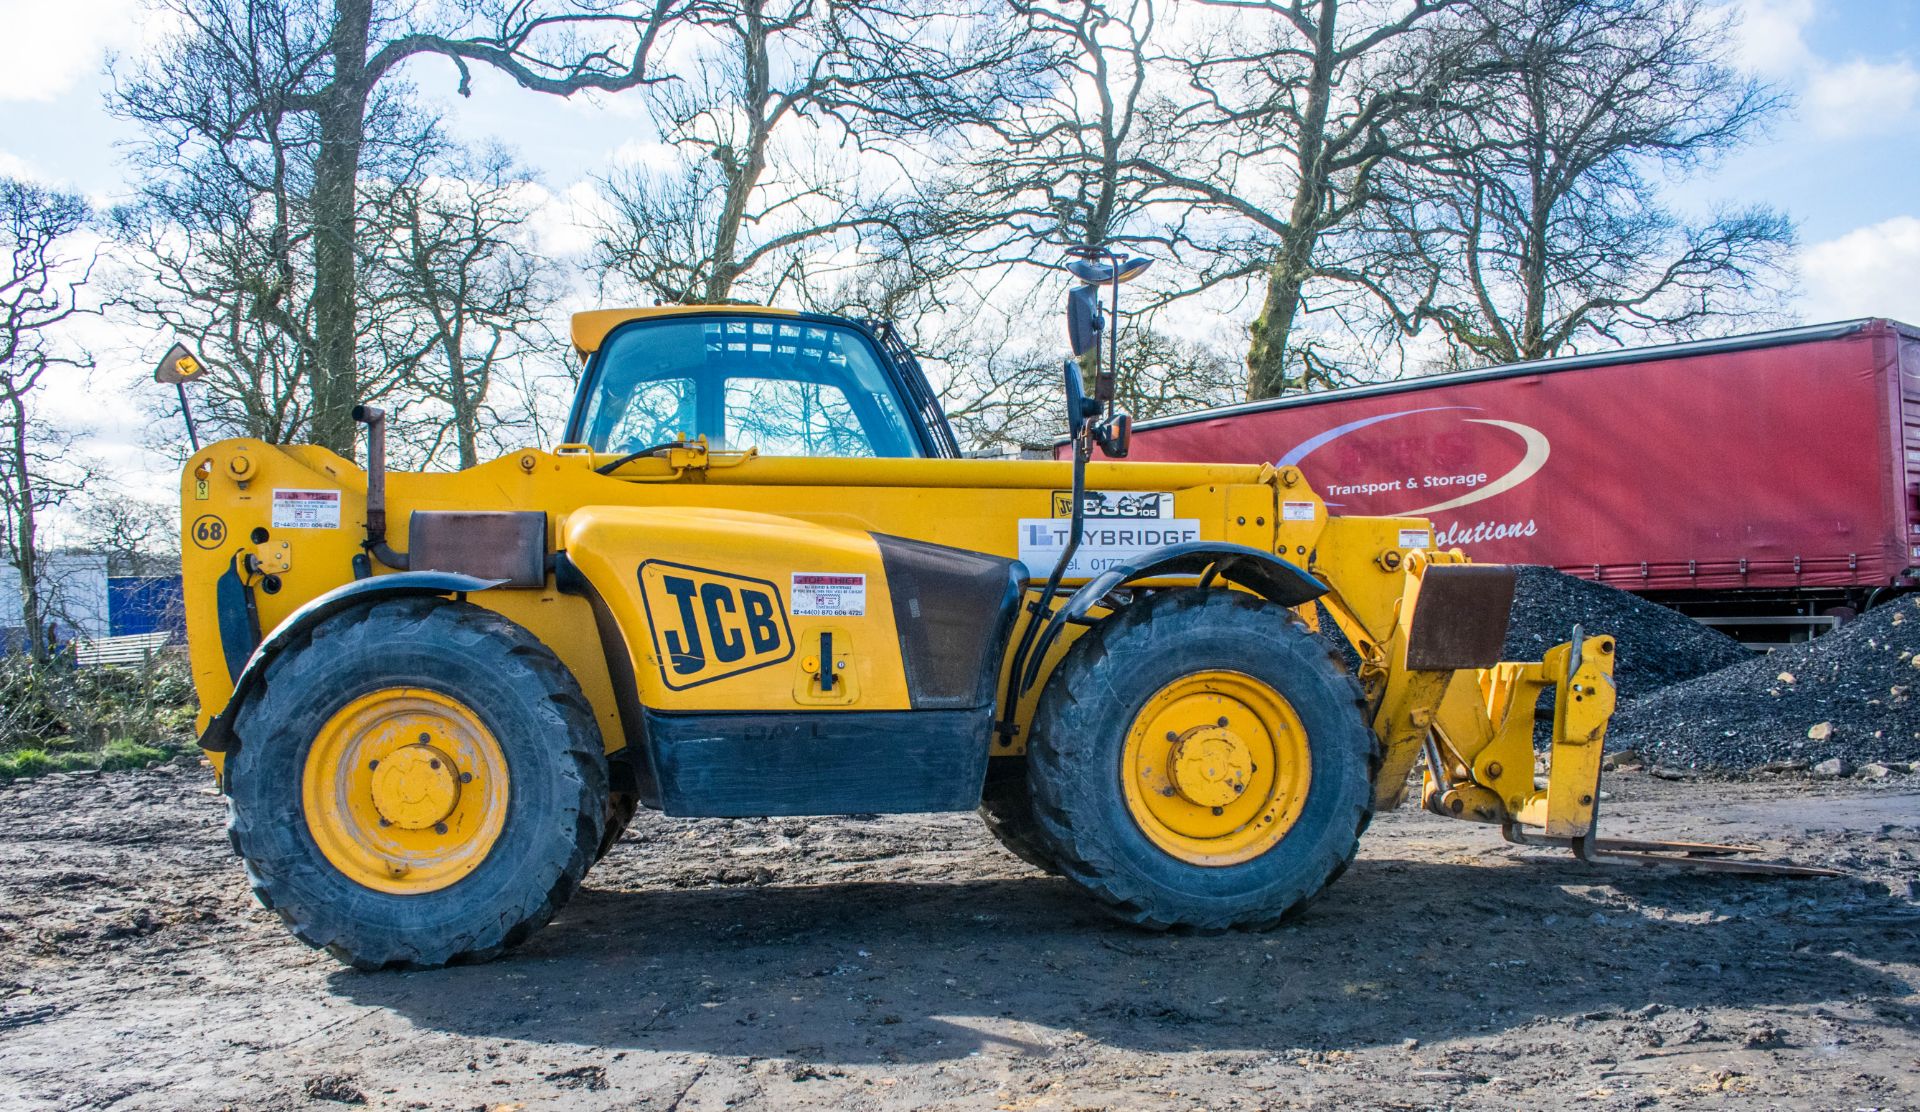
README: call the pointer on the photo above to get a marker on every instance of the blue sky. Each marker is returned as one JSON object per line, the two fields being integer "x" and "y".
{"x": 1845, "y": 164}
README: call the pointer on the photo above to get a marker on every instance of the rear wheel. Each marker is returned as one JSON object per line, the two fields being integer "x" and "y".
{"x": 417, "y": 782}
{"x": 1006, "y": 806}
{"x": 1199, "y": 760}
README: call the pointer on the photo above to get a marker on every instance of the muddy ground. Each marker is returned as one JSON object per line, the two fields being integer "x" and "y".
{"x": 908, "y": 963}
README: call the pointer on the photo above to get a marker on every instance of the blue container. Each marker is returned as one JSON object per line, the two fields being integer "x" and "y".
{"x": 146, "y": 604}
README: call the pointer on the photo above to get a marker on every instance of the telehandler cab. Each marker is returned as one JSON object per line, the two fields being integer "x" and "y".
{"x": 758, "y": 579}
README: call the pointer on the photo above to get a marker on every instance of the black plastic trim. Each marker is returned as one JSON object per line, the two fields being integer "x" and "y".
{"x": 1263, "y": 573}
{"x": 218, "y": 737}
{"x": 636, "y": 755}
{"x": 953, "y": 611}
{"x": 238, "y": 619}
{"x": 820, "y": 762}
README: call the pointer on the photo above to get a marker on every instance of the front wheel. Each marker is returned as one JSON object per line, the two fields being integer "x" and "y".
{"x": 1199, "y": 760}
{"x": 417, "y": 782}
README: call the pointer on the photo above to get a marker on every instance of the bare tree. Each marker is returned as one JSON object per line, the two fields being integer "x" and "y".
{"x": 452, "y": 262}
{"x": 1535, "y": 222}
{"x": 220, "y": 254}
{"x": 1293, "y": 103}
{"x": 250, "y": 72}
{"x": 40, "y": 286}
{"x": 783, "y": 101}
{"x": 137, "y": 537}
{"x": 1061, "y": 165}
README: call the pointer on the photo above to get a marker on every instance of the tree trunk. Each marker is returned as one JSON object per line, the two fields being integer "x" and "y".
{"x": 336, "y": 177}
{"x": 1273, "y": 328}
{"x": 26, "y": 532}
{"x": 466, "y": 407}
{"x": 1293, "y": 258}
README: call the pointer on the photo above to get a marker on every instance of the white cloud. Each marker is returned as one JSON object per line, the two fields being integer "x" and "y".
{"x": 1859, "y": 96}
{"x": 17, "y": 168}
{"x": 1769, "y": 35}
{"x": 1870, "y": 271}
{"x": 47, "y": 48}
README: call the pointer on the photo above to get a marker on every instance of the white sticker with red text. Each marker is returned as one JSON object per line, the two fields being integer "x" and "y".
{"x": 820, "y": 594}
{"x": 306, "y": 509}
{"x": 1296, "y": 511}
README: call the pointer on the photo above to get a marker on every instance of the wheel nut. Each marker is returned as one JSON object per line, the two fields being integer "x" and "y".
{"x": 466, "y": 777}
{"x": 434, "y": 763}
{"x": 375, "y": 763}
{"x": 425, "y": 737}
{"x": 1222, "y": 722}
{"x": 439, "y": 828}
{"x": 1218, "y": 811}
{"x": 1173, "y": 735}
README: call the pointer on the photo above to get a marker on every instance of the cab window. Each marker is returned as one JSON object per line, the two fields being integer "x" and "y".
{"x": 787, "y": 386}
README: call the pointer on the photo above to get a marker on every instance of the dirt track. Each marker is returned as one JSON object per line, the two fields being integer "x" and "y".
{"x": 909, "y": 963}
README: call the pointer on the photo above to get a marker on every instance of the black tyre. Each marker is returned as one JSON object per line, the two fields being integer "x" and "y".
{"x": 1201, "y": 760}
{"x": 621, "y": 807}
{"x": 1006, "y": 806}
{"x": 417, "y": 782}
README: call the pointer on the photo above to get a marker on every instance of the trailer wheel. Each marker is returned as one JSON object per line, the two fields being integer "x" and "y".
{"x": 1006, "y": 806}
{"x": 1200, "y": 760}
{"x": 417, "y": 782}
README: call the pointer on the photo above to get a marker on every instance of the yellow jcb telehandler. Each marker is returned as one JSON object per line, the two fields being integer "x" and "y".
{"x": 758, "y": 579}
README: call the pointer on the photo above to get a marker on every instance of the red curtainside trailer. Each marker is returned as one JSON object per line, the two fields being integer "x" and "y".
{"x": 1755, "y": 480}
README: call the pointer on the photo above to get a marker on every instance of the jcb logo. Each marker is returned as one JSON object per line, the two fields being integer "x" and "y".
{"x": 708, "y": 625}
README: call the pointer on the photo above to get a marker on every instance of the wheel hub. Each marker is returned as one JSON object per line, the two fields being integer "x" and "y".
{"x": 1215, "y": 767}
{"x": 405, "y": 790}
{"x": 1210, "y": 766}
{"x": 415, "y": 787}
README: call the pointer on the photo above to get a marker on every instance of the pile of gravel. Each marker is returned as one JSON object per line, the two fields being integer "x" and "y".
{"x": 1658, "y": 647}
{"x": 1853, "y": 693}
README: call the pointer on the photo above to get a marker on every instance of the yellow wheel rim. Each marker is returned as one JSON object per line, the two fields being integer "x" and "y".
{"x": 405, "y": 790}
{"x": 1215, "y": 768}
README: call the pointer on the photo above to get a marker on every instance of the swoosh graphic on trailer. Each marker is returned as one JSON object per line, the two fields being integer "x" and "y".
{"x": 1307, "y": 447}
{"x": 1530, "y": 464}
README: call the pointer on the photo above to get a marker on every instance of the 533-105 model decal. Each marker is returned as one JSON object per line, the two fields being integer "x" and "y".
{"x": 708, "y": 625}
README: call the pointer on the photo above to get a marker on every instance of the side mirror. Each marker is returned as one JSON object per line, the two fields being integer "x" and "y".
{"x": 1083, "y": 319}
{"x": 179, "y": 367}
{"x": 1080, "y": 408}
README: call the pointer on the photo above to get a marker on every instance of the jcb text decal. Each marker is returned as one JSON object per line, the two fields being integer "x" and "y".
{"x": 708, "y": 625}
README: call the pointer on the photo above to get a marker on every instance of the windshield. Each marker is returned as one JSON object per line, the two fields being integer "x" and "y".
{"x": 787, "y": 386}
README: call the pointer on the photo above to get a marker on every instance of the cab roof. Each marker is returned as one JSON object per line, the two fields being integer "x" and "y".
{"x": 590, "y": 328}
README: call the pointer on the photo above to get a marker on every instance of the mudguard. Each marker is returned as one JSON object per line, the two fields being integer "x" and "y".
{"x": 1263, "y": 573}
{"x": 218, "y": 737}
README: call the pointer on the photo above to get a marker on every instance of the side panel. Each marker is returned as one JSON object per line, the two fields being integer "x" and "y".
{"x": 727, "y": 611}
{"x": 1766, "y": 467}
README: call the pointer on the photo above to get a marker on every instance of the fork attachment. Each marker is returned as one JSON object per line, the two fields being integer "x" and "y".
{"x": 1480, "y": 762}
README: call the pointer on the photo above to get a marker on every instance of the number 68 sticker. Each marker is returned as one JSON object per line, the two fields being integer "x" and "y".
{"x": 208, "y": 531}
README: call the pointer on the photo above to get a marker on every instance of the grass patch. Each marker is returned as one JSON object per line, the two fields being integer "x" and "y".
{"x": 117, "y": 755}
{"x": 55, "y": 717}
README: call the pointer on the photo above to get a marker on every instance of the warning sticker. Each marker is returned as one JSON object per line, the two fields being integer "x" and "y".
{"x": 1103, "y": 544}
{"x": 819, "y": 594}
{"x": 1296, "y": 511}
{"x": 306, "y": 509}
{"x": 1415, "y": 538}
